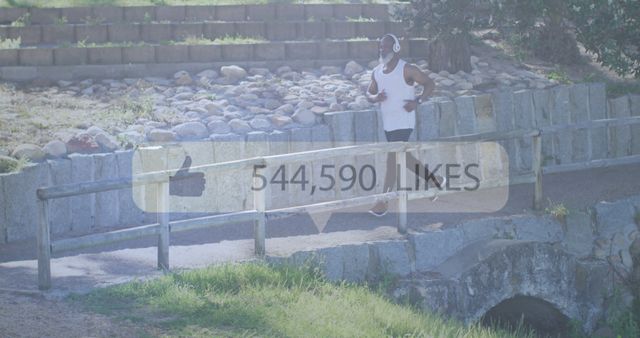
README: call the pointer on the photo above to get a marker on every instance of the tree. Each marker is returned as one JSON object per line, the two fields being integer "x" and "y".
{"x": 446, "y": 24}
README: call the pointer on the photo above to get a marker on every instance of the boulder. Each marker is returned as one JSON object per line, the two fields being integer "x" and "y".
{"x": 161, "y": 135}
{"x": 83, "y": 143}
{"x": 239, "y": 126}
{"x": 233, "y": 72}
{"x": 352, "y": 68}
{"x": 107, "y": 142}
{"x": 28, "y": 151}
{"x": 55, "y": 149}
{"x": 304, "y": 116}
{"x": 260, "y": 123}
{"x": 191, "y": 131}
{"x": 281, "y": 120}
{"x": 182, "y": 78}
{"x": 218, "y": 127}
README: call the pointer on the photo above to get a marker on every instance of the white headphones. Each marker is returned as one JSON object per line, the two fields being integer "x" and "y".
{"x": 396, "y": 43}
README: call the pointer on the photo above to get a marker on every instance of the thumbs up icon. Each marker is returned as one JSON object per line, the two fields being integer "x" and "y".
{"x": 185, "y": 183}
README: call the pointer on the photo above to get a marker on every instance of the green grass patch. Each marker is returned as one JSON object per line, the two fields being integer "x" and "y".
{"x": 260, "y": 300}
{"x": 557, "y": 210}
{"x": 10, "y": 43}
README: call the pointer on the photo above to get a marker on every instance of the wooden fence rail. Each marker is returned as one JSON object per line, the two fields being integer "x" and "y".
{"x": 260, "y": 214}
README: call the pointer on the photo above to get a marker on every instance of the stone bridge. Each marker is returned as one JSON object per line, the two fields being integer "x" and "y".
{"x": 550, "y": 271}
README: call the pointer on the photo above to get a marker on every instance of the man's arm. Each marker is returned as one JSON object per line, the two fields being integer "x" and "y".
{"x": 372, "y": 93}
{"x": 413, "y": 75}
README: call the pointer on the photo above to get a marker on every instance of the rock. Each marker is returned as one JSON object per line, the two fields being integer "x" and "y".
{"x": 474, "y": 59}
{"x": 7, "y": 164}
{"x": 465, "y": 85}
{"x": 280, "y": 120}
{"x": 63, "y": 83}
{"x": 130, "y": 138}
{"x": 259, "y": 71}
{"x": 272, "y": 104}
{"x": 329, "y": 70}
{"x": 352, "y": 68}
{"x": 336, "y": 107}
{"x": 82, "y": 143}
{"x": 28, "y": 151}
{"x": 107, "y": 142}
{"x": 239, "y": 126}
{"x": 161, "y": 135}
{"x": 233, "y": 72}
{"x": 208, "y": 74}
{"x": 260, "y": 123}
{"x": 218, "y": 127}
{"x": 447, "y": 82}
{"x": 87, "y": 91}
{"x": 304, "y": 105}
{"x": 191, "y": 131}
{"x": 283, "y": 70}
{"x": 182, "y": 78}
{"x": 286, "y": 108}
{"x": 94, "y": 130}
{"x": 319, "y": 110}
{"x": 304, "y": 116}
{"x": 230, "y": 115}
{"x": 55, "y": 149}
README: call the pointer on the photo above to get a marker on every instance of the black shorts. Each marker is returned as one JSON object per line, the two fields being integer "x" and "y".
{"x": 398, "y": 135}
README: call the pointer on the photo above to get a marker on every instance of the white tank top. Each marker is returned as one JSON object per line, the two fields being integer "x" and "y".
{"x": 394, "y": 116}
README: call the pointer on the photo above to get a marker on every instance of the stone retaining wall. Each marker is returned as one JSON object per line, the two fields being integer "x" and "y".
{"x": 436, "y": 118}
{"x": 270, "y": 12}
{"x": 158, "y": 32}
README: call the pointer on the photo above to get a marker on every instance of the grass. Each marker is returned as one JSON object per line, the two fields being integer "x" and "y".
{"x": 10, "y": 43}
{"x": 24, "y": 20}
{"x": 9, "y": 166}
{"x": 360, "y": 19}
{"x": 557, "y": 210}
{"x": 259, "y": 300}
{"x": 559, "y": 75}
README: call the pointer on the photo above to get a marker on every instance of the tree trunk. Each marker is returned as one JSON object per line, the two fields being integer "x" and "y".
{"x": 450, "y": 53}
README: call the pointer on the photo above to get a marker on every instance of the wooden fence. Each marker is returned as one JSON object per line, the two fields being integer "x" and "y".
{"x": 259, "y": 214}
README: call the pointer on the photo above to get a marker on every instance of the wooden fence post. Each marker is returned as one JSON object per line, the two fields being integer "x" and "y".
{"x": 163, "y": 221}
{"x": 537, "y": 171}
{"x": 259, "y": 203}
{"x": 44, "y": 246}
{"x": 401, "y": 175}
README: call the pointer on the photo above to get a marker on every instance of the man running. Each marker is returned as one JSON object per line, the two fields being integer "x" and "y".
{"x": 392, "y": 86}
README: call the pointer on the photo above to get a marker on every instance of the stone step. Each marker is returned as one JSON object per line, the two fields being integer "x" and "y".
{"x": 52, "y": 34}
{"x": 268, "y": 12}
{"x": 158, "y": 53}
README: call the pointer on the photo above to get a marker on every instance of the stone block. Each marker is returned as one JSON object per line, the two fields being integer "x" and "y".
{"x": 363, "y": 50}
{"x": 82, "y": 206}
{"x": 19, "y": 73}
{"x": 366, "y": 132}
{"x": 200, "y": 13}
{"x": 447, "y": 118}
{"x": 347, "y": 11}
{"x": 433, "y": 248}
{"x": 76, "y": 15}
{"x": 92, "y": 33}
{"x": 29, "y": 35}
{"x": 367, "y": 126}
{"x": 60, "y": 208}
{"x": 612, "y": 217}
{"x": 560, "y": 115}
{"x": 321, "y": 139}
{"x": 523, "y": 109}
{"x": 21, "y": 201}
{"x": 261, "y": 12}
{"x": 376, "y": 11}
{"x": 205, "y": 53}
{"x": 481, "y": 229}
{"x": 229, "y": 147}
{"x": 170, "y": 13}
{"x": 231, "y": 13}
{"x": 182, "y": 31}
{"x": 172, "y": 54}
{"x": 391, "y": 257}
{"x": 635, "y": 129}
{"x": 342, "y": 128}
{"x": 124, "y": 32}
{"x": 318, "y": 12}
{"x": 289, "y": 12}
{"x": 129, "y": 214}
{"x": 355, "y": 260}
{"x": 139, "y": 14}
{"x": 331, "y": 262}
{"x": 540, "y": 229}
{"x": 578, "y": 236}
{"x": 371, "y": 30}
{"x": 396, "y": 28}
{"x": 300, "y": 140}
{"x": 139, "y": 54}
{"x": 311, "y": 30}
{"x": 281, "y": 31}
{"x": 485, "y": 117}
{"x": 215, "y": 30}
{"x": 466, "y": 116}
{"x": 300, "y": 50}
{"x": 341, "y": 30}
{"x": 278, "y": 144}
{"x": 269, "y": 51}
{"x": 109, "y": 13}
{"x": 333, "y": 50}
{"x": 427, "y": 121}
{"x": 45, "y": 16}
{"x": 36, "y": 57}
{"x": 105, "y": 55}
{"x": 237, "y": 52}
{"x": 620, "y": 137}
{"x": 9, "y": 14}
{"x": 57, "y": 34}
{"x": 9, "y": 57}
{"x": 579, "y": 100}
{"x": 70, "y": 56}
{"x": 107, "y": 203}
{"x": 542, "y": 107}
{"x": 156, "y": 32}
{"x": 251, "y": 29}
{"x": 598, "y": 111}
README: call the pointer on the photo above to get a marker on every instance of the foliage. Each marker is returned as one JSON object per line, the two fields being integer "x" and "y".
{"x": 437, "y": 18}
{"x": 557, "y": 210}
{"x": 11, "y": 165}
{"x": 258, "y": 299}
{"x": 10, "y": 43}
{"x": 22, "y": 21}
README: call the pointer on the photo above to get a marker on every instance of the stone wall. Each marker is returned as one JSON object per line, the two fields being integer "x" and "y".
{"x": 460, "y": 271}
{"x": 501, "y": 111}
